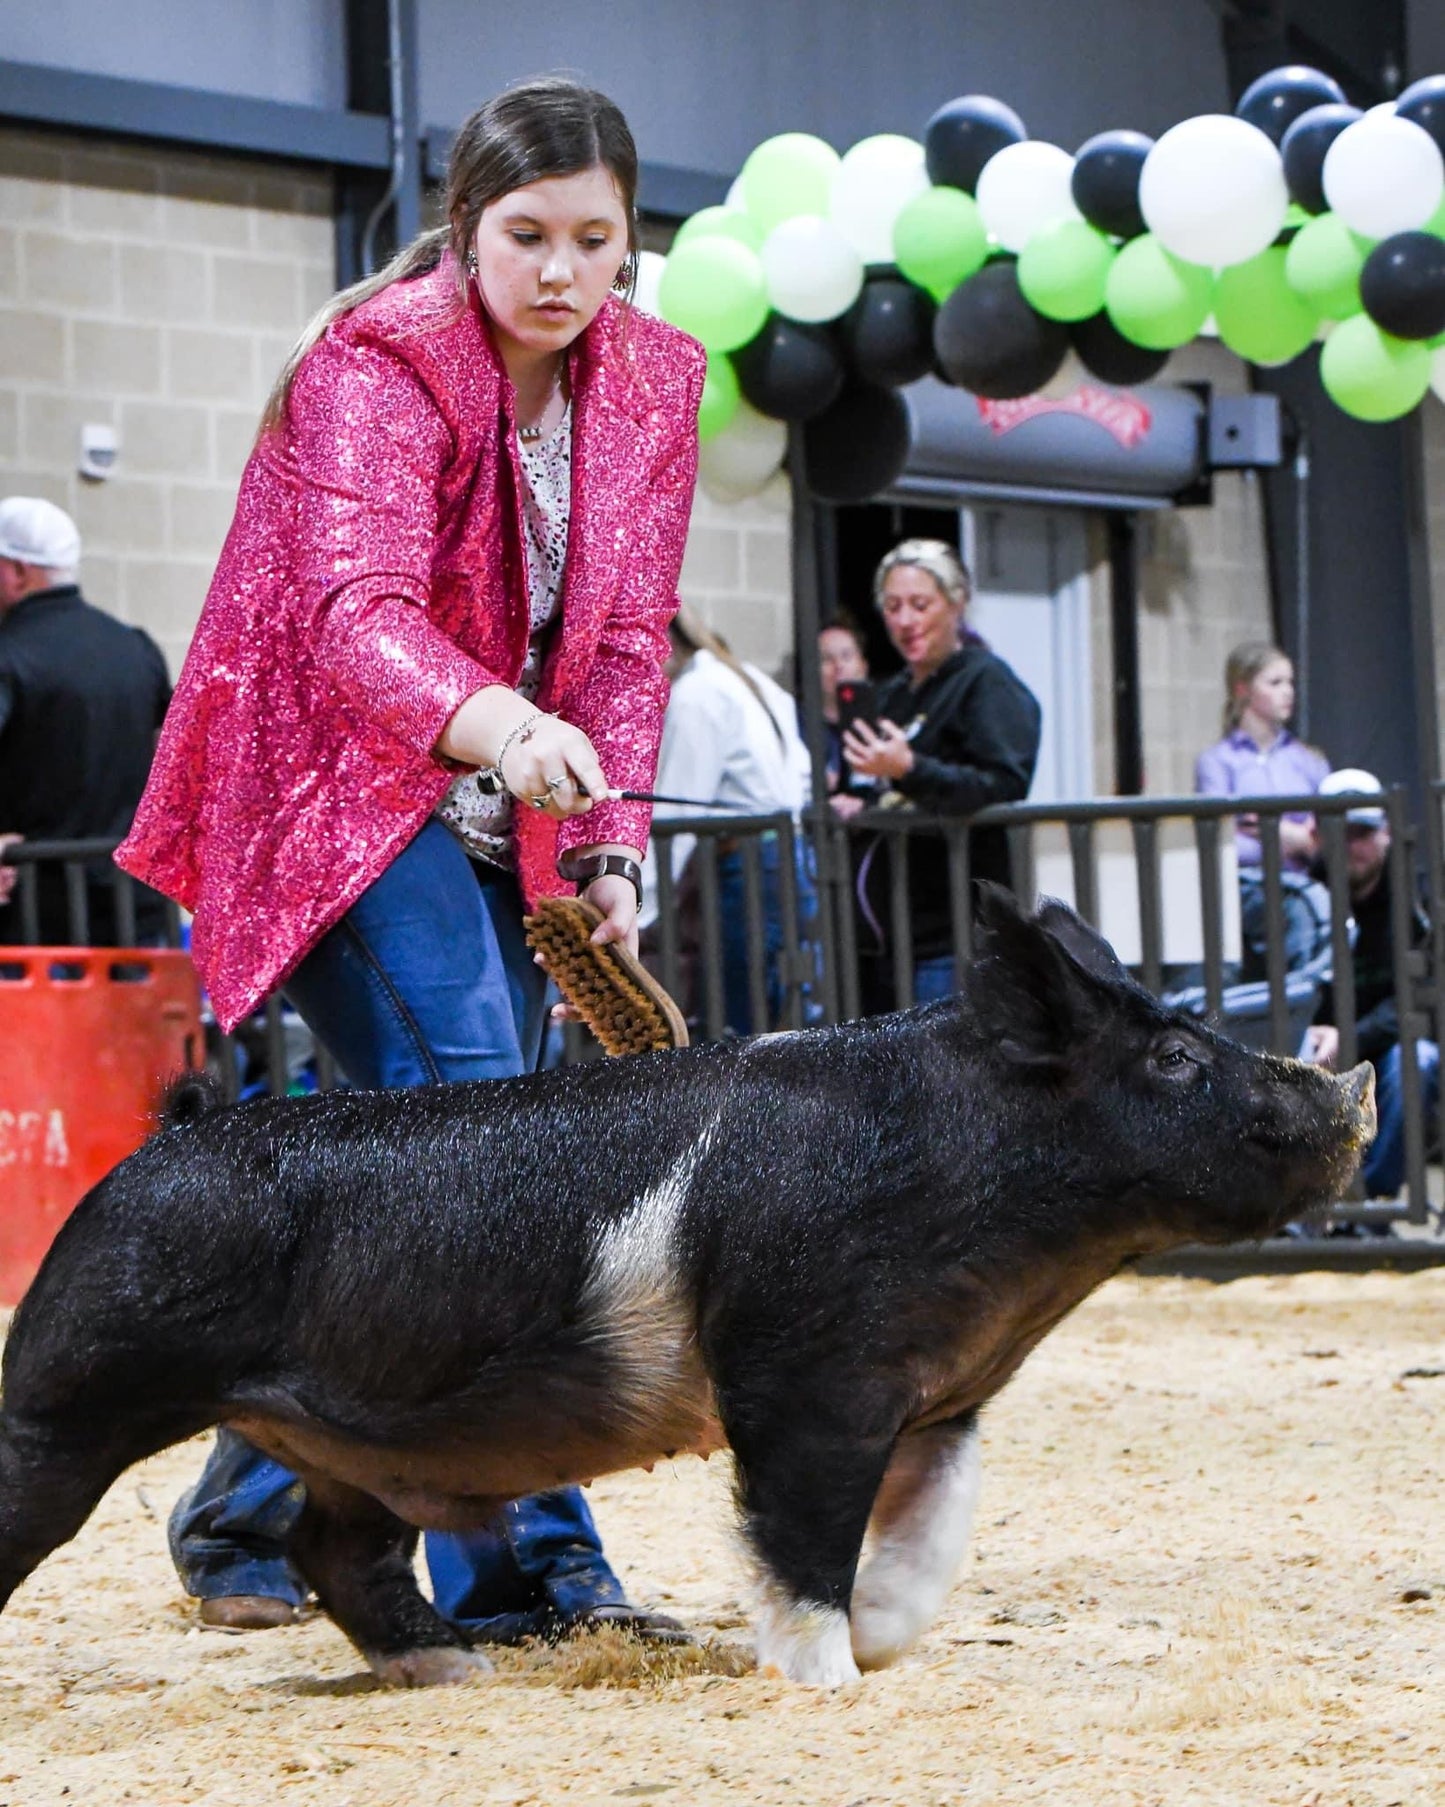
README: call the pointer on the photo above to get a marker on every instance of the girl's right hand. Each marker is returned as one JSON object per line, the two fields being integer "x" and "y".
{"x": 541, "y": 749}
{"x": 553, "y": 767}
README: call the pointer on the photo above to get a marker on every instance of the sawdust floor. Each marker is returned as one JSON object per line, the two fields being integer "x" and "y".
{"x": 1209, "y": 1567}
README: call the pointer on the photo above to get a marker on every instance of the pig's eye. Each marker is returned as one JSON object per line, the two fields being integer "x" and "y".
{"x": 1175, "y": 1061}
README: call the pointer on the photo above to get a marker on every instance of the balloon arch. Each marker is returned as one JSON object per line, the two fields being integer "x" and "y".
{"x": 824, "y": 283}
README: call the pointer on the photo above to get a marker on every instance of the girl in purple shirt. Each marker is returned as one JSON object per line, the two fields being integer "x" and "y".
{"x": 1258, "y": 756}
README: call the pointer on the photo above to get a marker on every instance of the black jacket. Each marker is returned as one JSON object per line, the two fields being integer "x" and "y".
{"x": 81, "y": 698}
{"x": 975, "y": 736}
{"x": 1377, "y": 1011}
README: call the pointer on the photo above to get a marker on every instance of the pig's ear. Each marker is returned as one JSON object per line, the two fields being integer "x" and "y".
{"x": 1086, "y": 945}
{"x": 1027, "y": 994}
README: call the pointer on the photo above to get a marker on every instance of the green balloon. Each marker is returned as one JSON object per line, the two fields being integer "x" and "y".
{"x": 1436, "y": 221}
{"x": 727, "y": 222}
{"x": 1063, "y": 268}
{"x": 714, "y": 288}
{"x": 720, "y": 395}
{"x": 1154, "y": 298}
{"x": 787, "y": 175}
{"x": 939, "y": 240}
{"x": 1372, "y": 375}
{"x": 1322, "y": 266}
{"x": 1258, "y": 314}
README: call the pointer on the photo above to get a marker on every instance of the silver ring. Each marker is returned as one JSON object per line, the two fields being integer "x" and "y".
{"x": 540, "y": 802}
{"x": 556, "y": 784}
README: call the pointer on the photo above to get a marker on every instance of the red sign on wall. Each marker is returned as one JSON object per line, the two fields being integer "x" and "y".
{"x": 1122, "y": 415}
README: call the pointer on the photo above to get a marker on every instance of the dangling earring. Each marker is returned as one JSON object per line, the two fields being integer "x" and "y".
{"x": 626, "y": 278}
{"x": 472, "y": 264}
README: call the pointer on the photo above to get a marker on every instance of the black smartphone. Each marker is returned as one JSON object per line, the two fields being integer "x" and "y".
{"x": 855, "y": 703}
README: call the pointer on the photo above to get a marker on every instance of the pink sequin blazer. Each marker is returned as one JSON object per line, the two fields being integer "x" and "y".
{"x": 375, "y": 577}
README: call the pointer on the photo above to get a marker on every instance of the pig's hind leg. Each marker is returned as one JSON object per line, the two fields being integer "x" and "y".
{"x": 358, "y": 1557}
{"x": 920, "y": 1528}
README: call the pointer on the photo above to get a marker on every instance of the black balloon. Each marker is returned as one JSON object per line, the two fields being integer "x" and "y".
{"x": 1106, "y": 182}
{"x": 1303, "y": 151}
{"x": 887, "y": 334}
{"x": 1107, "y": 354}
{"x": 962, "y": 136}
{"x": 1403, "y": 285}
{"x": 1277, "y": 99}
{"x": 989, "y": 340}
{"x": 859, "y": 446}
{"x": 1423, "y": 104}
{"x": 790, "y": 370}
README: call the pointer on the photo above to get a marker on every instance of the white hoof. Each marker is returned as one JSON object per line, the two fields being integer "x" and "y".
{"x": 806, "y": 1644}
{"x": 435, "y": 1666}
{"x": 882, "y": 1633}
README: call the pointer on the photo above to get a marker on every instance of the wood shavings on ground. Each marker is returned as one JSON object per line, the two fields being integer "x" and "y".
{"x": 1208, "y": 1568}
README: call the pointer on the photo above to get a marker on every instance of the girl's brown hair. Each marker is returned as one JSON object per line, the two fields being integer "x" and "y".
{"x": 546, "y": 127}
{"x": 1241, "y": 668}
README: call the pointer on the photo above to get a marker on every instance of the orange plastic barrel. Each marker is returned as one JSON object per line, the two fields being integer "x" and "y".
{"x": 89, "y": 1037}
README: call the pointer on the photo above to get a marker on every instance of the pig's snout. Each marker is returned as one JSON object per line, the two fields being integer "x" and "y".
{"x": 1359, "y": 1084}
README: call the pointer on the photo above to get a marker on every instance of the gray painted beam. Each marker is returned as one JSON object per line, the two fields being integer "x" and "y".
{"x": 39, "y": 95}
{"x": 664, "y": 190}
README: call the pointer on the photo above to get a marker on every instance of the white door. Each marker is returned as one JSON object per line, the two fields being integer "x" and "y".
{"x": 1031, "y": 603}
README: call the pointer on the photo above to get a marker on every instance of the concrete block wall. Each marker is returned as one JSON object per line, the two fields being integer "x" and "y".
{"x": 737, "y": 574}
{"x": 156, "y": 292}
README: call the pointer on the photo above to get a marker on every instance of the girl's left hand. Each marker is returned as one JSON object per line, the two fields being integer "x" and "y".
{"x": 616, "y": 898}
{"x": 881, "y": 752}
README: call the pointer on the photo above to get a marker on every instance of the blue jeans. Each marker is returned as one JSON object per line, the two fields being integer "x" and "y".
{"x": 427, "y": 977}
{"x": 736, "y": 946}
{"x": 1384, "y": 1164}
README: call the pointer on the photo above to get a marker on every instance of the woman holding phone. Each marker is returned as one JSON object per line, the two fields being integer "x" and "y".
{"x": 955, "y": 731}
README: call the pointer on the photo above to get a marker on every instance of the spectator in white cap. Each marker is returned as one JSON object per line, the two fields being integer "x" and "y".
{"x": 1377, "y": 1015}
{"x": 81, "y": 698}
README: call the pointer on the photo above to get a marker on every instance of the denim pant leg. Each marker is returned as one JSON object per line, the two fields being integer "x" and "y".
{"x": 392, "y": 999}
{"x": 1384, "y": 1164}
{"x": 933, "y": 979}
{"x": 228, "y": 1533}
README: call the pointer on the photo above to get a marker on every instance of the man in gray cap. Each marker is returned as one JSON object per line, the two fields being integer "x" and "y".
{"x": 1377, "y": 1013}
{"x": 81, "y": 698}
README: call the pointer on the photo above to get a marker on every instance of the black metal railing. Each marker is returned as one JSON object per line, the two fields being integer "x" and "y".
{"x": 760, "y": 927}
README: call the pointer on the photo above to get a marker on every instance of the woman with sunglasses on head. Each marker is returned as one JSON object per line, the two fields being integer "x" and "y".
{"x": 435, "y": 639}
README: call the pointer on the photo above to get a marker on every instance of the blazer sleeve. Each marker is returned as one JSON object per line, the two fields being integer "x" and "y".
{"x": 368, "y": 448}
{"x": 620, "y": 705}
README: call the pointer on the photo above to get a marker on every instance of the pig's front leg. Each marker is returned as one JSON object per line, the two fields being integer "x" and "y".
{"x": 920, "y": 1527}
{"x": 357, "y": 1556}
{"x": 807, "y": 1480}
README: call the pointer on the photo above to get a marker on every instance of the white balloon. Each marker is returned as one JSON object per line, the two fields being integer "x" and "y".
{"x": 1437, "y": 373}
{"x": 739, "y": 461}
{"x": 650, "y": 265}
{"x": 1384, "y": 175}
{"x": 875, "y": 182}
{"x": 1384, "y": 109}
{"x": 812, "y": 271}
{"x": 1213, "y": 191}
{"x": 1023, "y": 187}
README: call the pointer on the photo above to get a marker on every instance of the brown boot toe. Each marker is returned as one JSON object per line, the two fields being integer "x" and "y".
{"x": 247, "y": 1612}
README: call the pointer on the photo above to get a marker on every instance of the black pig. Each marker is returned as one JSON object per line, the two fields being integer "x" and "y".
{"x": 825, "y": 1250}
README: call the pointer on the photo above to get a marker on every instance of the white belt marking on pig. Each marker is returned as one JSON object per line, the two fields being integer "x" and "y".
{"x": 803, "y": 1641}
{"x": 921, "y": 1525}
{"x": 636, "y": 1302}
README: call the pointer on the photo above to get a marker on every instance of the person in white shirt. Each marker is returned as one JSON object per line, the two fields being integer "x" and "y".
{"x": 731, "y": 737}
